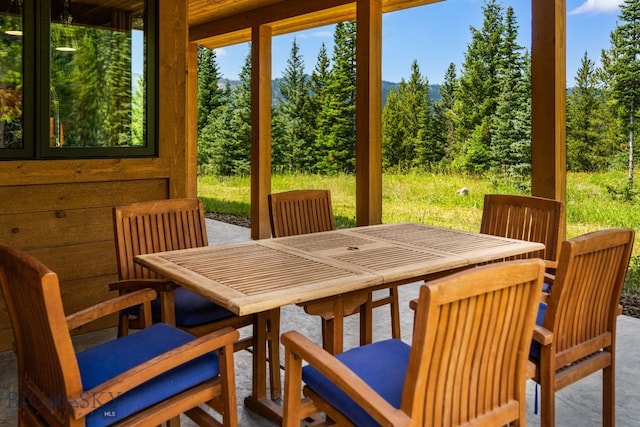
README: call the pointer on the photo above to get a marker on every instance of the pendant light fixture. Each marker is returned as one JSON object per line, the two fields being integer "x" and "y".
{"x": 15, "y": 9}
{"x": 67, "y": 42}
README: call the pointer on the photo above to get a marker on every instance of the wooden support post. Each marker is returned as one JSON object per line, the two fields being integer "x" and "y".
{"x": 260, "y": 130}
{"x": 191, "y": 152}
{"x": 368, "y": 112}
{"x": 172, "y": 105}
{"x": 548, "y": 100}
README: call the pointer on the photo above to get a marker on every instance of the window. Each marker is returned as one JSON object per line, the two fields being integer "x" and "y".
{"x": 75, "y": 78}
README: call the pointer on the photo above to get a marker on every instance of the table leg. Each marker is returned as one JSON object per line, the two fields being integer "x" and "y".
{"x": 266, "y": 325}
{"x": 333, "y": 328}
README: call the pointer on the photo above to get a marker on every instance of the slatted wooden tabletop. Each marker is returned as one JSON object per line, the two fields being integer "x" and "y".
{"x": 260, "y": 275}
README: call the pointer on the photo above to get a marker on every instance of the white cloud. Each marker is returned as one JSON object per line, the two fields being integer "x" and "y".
{"x": 323, "y": 34}
{"x": 220, "y": 52}
{"x": 597, "y": 6}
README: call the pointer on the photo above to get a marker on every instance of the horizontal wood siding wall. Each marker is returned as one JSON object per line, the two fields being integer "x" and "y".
{"x": 53, "y": 210}
{"x": 60, "y": 210}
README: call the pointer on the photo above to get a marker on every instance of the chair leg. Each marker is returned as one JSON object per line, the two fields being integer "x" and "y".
{"x": 293, "y": 389}
{"x": 123, "y": 325}
{"x": 228, "y": 383}
{"x": 366, "y": 321}
{"x": 394, "y": 305}
{"x": 275, "y": 382}
{"x": 547, "y": 389}
{"x": 366, "y": 315}
{"x": 608, "y": 395}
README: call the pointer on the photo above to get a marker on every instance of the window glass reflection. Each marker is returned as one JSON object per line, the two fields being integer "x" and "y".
{"x": 11, "y": 79}
{"x": 97, "y": 85}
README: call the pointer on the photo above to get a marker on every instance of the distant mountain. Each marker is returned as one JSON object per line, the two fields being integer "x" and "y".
{"x": 434, "y": 90}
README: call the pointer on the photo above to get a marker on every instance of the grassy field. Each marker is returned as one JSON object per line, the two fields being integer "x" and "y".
{"x": 433, "y": 199}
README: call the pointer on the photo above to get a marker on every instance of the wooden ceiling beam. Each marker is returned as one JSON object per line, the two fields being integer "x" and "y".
{"x": 283, "y": 17}
{"x": 270, "y": 14}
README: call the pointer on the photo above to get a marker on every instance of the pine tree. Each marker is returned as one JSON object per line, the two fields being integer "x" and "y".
{"x": 613, "y": 120}
{"x": 231, "y": 145}
{"x": 393, "y": 132}
{"x": 443, "y": 121}
{"x": 623, "y": 64}
{"x": 210, "y": 95}
{"x": 213, "y": 110}
{"x": 337, "y": 123}
{"x": 82, "y": 92}
{"x": 318, "y": 92}
{"x": 293, "y": 147}
{"x": 427, "y": 149}
{"x": 584, "y": 105}
{"x": 404, "y": 121}
{"x": 477, "y": 95}
{"x": 511, "y": 125}
{"x": 138, "y": 119}
{"x": 118, "y": 79}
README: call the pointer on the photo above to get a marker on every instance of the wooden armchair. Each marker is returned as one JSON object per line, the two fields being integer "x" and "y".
{"x": 143, "y": 379}
{"x": 309, "y": 211}
{"x": 172, "y": 224}
{"x": 467, "y": 364}
{"x": 577, "y": 336}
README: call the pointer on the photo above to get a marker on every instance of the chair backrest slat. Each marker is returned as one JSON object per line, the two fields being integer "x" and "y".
{"x": 156, "y": 226}
{"x": 534, "y": 219}
{"x": 470, "y": 344}
{"x": 583, "y": 304}
{"x": 300, "y": 212}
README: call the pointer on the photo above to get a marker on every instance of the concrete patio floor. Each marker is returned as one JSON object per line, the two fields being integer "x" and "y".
{"x": 578, "y": 405}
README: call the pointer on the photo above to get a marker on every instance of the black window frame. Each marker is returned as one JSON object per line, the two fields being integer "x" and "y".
{"x": 36, "y": 101}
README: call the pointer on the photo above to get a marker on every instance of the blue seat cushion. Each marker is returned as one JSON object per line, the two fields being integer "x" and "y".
{"x": 534, "y": 352}
{"x": 382, "y": 365}
{"x": 191, "y": 309}
{"x": 105, "y": 361}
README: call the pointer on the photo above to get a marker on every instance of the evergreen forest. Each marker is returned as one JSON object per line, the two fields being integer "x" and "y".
{"x": 479, "y": 124}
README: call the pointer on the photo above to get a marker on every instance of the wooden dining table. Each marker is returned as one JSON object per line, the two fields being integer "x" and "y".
{"x": 322, "y": 268}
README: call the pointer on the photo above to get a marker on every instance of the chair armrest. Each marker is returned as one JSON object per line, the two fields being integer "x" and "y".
{"x": 222, "y": 340}
{"x": 339, "y": 374}
{"x": 160, "y": 285}
{"x": 542, "y": 335}
{"x": 413, "y": 304}
{"x": 550, "y": 265}
{"x": 113, "y": 305}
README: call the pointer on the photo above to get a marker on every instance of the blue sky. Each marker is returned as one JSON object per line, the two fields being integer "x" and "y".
{"x": 436, "y": 35}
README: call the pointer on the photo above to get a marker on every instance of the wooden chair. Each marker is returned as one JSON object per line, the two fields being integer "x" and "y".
{"x": 143, "y": 379}
{"x": 309, "y": 211}
{"x": 171, "y": 224}
{"x": 577, "y": 336}
{"x": 533, "y": 219}
{"x": 467, "y": 364}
